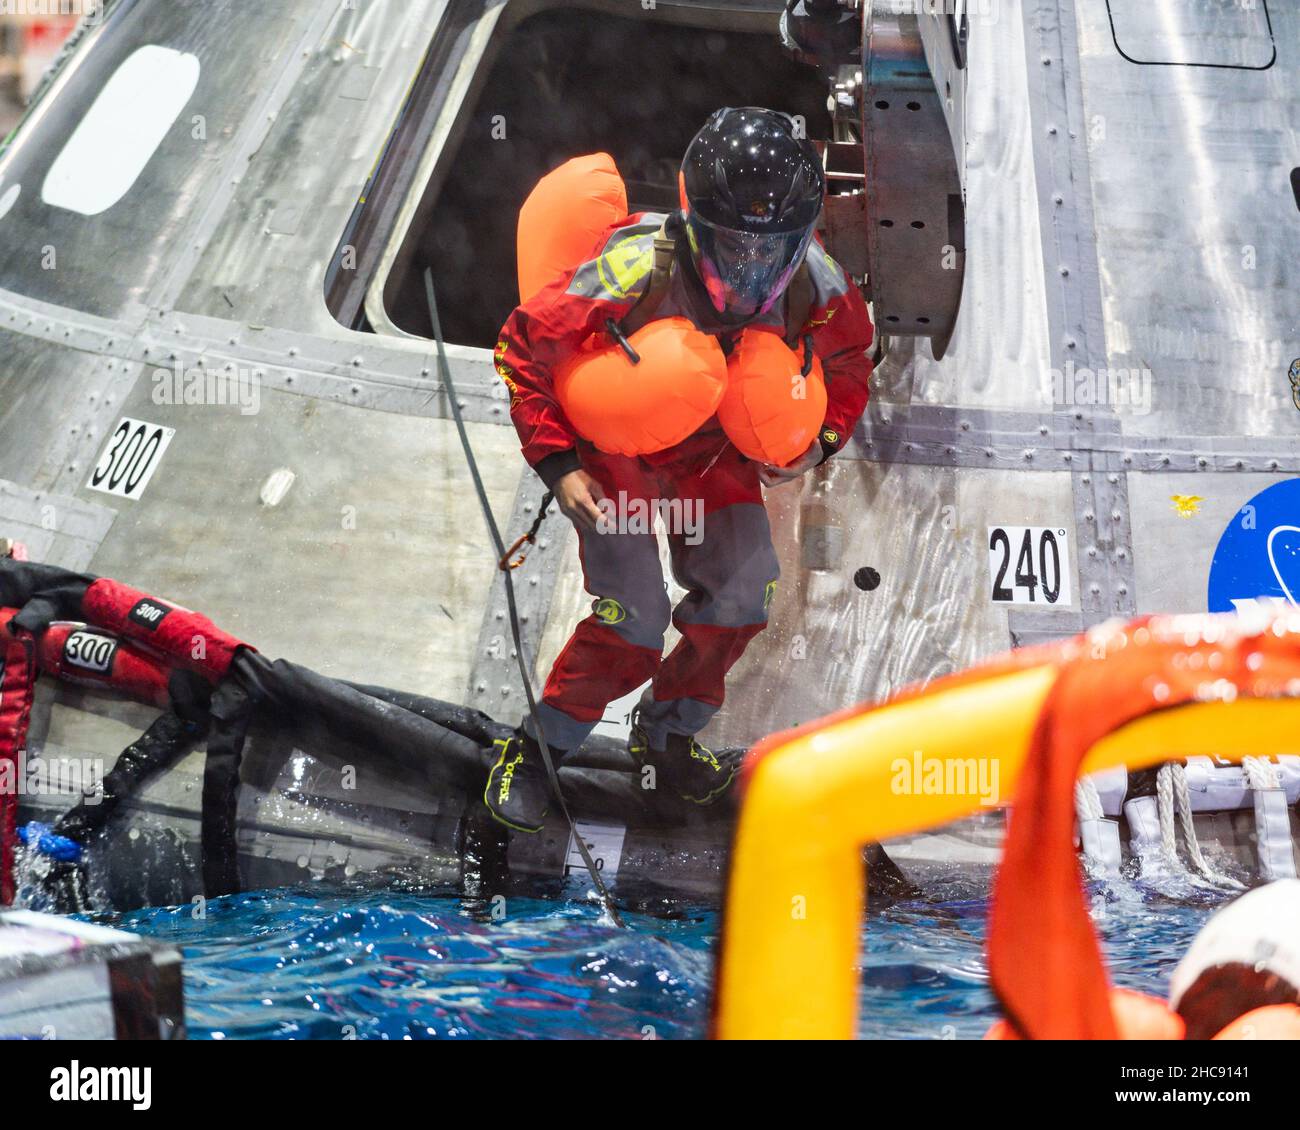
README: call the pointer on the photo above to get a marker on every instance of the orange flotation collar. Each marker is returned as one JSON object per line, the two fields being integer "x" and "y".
{"x": 564, "y": 217}
{"x": 776, "y": 399}
{"x": 628, "y": 408}
{"x": 1044, "y": 960}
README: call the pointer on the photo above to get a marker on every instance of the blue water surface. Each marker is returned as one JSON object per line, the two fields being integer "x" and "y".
{"x": 335, "y": 964}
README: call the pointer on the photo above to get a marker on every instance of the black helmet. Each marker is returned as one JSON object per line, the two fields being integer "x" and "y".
{"x": 751, "y": 193}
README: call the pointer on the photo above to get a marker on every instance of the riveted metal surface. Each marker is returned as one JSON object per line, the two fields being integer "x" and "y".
{"x": 1196, "y": 225}
{"x": 56, "y": 529}
{"x": 1074, "y": 299}
{"x": 915, "y": 208}
{"x": 495, "y": 685}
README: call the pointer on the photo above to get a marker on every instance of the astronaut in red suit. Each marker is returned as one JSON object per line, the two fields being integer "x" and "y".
{"x": 743, "y": 248}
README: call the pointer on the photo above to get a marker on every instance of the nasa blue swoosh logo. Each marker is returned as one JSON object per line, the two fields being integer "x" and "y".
{"x": 1258, "y": 555}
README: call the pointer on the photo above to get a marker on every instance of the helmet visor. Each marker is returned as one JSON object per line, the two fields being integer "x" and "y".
{"x": 745, "y": 272}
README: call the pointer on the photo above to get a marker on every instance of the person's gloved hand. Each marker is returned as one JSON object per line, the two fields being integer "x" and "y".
{"x": 578, "y": 495}
{"x": 771, "y": 476}
{"x": 43, "y": 838}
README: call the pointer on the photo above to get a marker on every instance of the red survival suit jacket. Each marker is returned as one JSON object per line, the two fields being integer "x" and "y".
{"x": 559, "y": 319}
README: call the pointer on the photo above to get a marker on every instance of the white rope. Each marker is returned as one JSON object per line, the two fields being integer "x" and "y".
{"x": 1165, "y": 811}
{"x": 1183, "y": 801}
{"x": 1087, "y": 800}
{"x": 1088, "y": 812}
{"x": 1261, "y": 773}
{"x": 1174, "y": 807}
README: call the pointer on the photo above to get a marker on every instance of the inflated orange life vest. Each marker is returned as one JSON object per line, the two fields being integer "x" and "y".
{"x": 637, "y": 409}
{"x": 773, "y": 409}
{"x": 770, "y": 402}
{"x": 563, "y": 218}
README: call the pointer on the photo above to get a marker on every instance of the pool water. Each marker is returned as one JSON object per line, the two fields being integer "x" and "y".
{"x": 345, "y": 964}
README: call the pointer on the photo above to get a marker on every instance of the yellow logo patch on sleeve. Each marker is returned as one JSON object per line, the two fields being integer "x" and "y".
{"x": 609, "y": 611}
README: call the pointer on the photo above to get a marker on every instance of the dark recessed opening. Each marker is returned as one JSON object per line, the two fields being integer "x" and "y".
{"x": 914, "y": 106}
{"x": 564, "y": 84}
{"x": 886, "y": 223}
{"x": 882, "y": 105}
{"x": 923, "y": 321}
{"x": 867, "y": 579}
{"x": 918, "y": 224}
{"x": 891, "y": 318}
{"x": 1295, "y": 185}
{"x": 957, "y": 223}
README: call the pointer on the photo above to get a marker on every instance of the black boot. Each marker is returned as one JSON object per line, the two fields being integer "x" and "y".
{"x": 518, "y": 792}
{"x": 690, "y": 770}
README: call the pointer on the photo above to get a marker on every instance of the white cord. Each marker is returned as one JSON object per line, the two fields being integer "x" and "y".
{"x": 1165, "y": 811}
{"x": 1176, "y": 801}
{"x": 1261, "y": 773}
{"x": 1087, "y": 800}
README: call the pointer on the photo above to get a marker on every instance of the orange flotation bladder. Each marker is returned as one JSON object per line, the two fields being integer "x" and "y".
{"x": 772, "y": 412}
{"x": 638, "y": 409}
{"x": 564, "y": 217}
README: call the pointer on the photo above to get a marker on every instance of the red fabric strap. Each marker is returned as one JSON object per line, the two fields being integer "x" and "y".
{"x": 17, "y": 685}
{"x": 91, "y": 657}
{"x": 185, "y": 637}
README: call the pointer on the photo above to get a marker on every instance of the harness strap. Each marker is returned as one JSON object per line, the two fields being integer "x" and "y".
{"x": 168, "y": 738}
{"x": 799, "y": 300}
{"x": 661, "y": 275}
{"x": 232, "y": 712}
{"x": 185, "y": 637}
{"x": 665, "y": 250}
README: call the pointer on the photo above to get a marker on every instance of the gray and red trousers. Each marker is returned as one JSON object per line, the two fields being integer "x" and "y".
{"x": 720, "y": 546}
